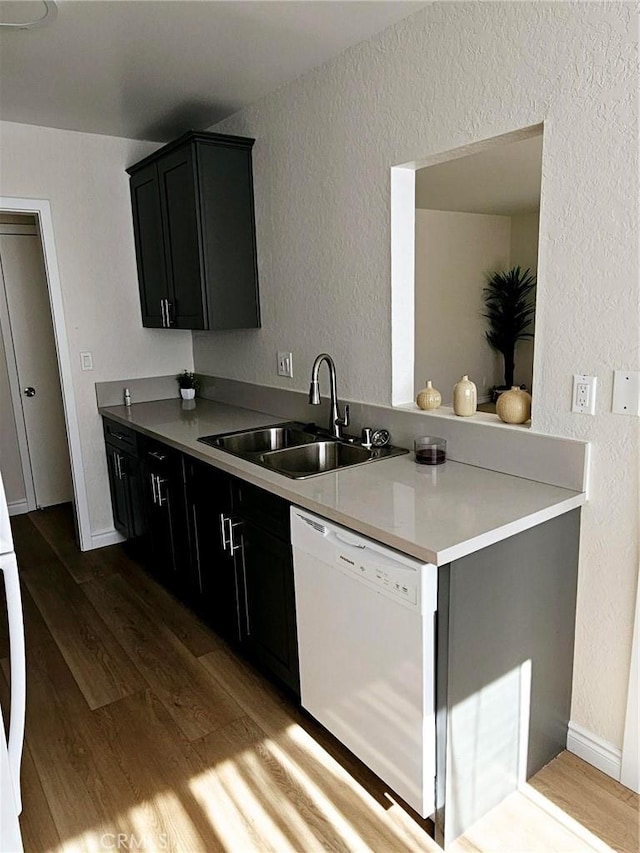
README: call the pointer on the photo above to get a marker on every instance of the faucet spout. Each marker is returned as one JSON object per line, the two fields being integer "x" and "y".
{"x": 336, "y": 420}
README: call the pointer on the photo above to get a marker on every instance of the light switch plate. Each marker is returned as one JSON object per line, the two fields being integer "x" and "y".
{"x": 626, "y": 392}
{"x": 86, "y": 361}
{"x": 285, "y": 364}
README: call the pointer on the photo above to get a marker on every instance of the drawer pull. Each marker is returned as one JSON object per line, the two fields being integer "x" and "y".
{"x": 160, "y": 457}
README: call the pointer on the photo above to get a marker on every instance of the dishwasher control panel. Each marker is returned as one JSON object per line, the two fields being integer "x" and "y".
{"x": 394, "y": 581}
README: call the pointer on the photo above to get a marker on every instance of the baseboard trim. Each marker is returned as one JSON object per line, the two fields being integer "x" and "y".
{"x": 594, "y": 750}
{"x": 18, "y": 507}
{"x": 104, "y": 538}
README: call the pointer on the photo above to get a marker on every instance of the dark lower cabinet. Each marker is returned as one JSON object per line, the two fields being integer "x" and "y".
{"x": 124, "y": 480}
{"x": 269, "y": 634}
{"x": 215, "y": 592}
{"x": 166, "y": 546}
{"x": 220, "y": 544}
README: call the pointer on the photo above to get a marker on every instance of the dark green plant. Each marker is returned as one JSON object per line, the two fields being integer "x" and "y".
{"x": 188, "y": 379}
{"x": 509, "y": 301}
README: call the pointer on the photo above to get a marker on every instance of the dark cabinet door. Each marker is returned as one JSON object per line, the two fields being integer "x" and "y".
{"x": 167, "y": 548}
{"x": 119, "y": 491}
{"x": 226, "y": 204}
{"x": 124, "y": 484}
{"x": 269, "y": 630}
{"x": 180, "y": 222}
{"x": 214, "y": 572}
{"x": 149, "y": 242}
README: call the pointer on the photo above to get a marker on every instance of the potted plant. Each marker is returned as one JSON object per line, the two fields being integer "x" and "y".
{"x": 509, "y": 302}
{"x": 188, "y": 383}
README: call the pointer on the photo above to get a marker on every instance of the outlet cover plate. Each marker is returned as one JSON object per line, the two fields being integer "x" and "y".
{"x": 626, "y": 392}
{"x": 584, "y": 394}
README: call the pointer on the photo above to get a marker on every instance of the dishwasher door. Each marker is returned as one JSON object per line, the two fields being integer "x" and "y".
{"x": 366, "y": 644}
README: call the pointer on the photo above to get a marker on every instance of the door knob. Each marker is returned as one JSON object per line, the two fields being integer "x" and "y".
{"x": 29, "y": 391}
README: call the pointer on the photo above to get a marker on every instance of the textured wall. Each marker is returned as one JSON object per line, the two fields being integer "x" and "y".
{"x": 83, "y": 177}
{"x": 452, "y": 74}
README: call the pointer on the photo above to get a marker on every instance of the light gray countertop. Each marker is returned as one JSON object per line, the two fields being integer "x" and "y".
{"x": 436, "y": 514}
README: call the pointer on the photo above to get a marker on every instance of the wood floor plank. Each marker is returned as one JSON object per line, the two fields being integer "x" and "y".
{"x": 270, "y": 792}
{"x": 38, "y": 829}
{"x": 31, "y": 549}
{"x": 195, "y": 700}
{"x": 84, "y": 791}
{"x": 159, "y": 765}
{"x": 191, "y": 632}
{"x": 56, "y": 527}
{"x": 101, "y": 667}
{"x": 36, "y": 631}
{"x": 597, "y": 807}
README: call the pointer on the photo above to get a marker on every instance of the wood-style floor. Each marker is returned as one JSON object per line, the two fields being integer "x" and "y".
{"x": 147, "y": 732}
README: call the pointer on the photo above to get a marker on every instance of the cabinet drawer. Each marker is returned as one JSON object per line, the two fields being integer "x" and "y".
{"x": 156, "y": 455}
{"x": 122, "y": 437}
{"x": 262, "y": 508}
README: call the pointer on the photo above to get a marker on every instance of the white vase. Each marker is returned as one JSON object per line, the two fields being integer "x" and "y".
{"x": 187, "y": 393}
{"x": 465, "y": 397}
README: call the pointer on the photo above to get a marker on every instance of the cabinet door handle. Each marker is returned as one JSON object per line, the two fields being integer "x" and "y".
{"x": 162, "y": 499}
{"x": 118, "y": 460}
{"x": 233, "y": 547}
{"x": 223, "y": 534}
{"x": 153, "y": 488}
{"x": 247, "y": 621}
{"x": 164, "y": 314}
{"x": 169, "y": 310}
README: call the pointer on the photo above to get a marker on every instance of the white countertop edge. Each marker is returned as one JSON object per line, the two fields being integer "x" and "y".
{"x": 463, "y": 549}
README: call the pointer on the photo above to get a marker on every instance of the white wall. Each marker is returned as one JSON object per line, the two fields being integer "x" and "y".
{"x": 454, "y": 252}
{"x": 524, "y": 253}
{"x": 83, "y": 177}
{"x": 453, "y": 74}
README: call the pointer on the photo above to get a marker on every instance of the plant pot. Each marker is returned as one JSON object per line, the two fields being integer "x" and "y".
{"x": 187, "y": 393}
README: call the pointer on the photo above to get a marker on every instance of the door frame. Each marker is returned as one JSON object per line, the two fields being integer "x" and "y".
{"x": 42, "y": 210}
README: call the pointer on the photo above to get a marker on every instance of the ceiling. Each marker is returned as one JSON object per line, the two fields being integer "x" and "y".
{"x": 152, "y": 69}
{"x": 504, "y": 179}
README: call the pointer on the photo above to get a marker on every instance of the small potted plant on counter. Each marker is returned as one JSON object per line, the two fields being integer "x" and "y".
{"x": 188, "y": 383}
{"x": 509, "y": 302}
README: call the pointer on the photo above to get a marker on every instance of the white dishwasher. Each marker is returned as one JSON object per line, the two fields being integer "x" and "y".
{"x": 366, "y": 641}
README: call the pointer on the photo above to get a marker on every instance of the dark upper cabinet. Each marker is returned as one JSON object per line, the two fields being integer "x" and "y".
{"x": 194, "y": 229}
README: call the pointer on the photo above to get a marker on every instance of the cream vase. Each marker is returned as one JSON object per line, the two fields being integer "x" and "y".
{"x": 465, "y": 397}
{"x": 514, "y": 407}
{"x": 429, "y": 398}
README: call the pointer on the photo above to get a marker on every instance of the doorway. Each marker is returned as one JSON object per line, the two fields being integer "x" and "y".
{"x": 41, "y": 208}
{"x": 34, "y": 455}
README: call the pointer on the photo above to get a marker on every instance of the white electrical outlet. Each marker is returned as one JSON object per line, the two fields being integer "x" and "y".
{"x": 626, "y": 392}
{"x": 285, "y": 364}
{"x": 86, "y": 361}
{"x": 584, "y": 394}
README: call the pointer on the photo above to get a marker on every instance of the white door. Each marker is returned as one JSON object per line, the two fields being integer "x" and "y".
{"x": 30, "y": 334}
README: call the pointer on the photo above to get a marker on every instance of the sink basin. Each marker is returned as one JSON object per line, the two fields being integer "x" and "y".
{"x": 260, "y": 440}
{"x": 315, "y": 458}
{"x": 292, "y": 451}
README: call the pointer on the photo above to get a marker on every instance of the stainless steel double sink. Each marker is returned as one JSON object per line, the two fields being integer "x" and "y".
{"x": 296, "y": 452}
